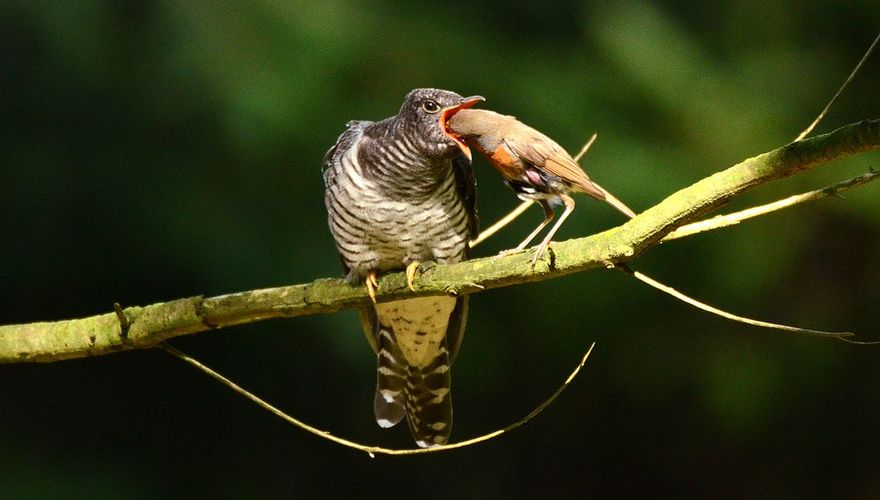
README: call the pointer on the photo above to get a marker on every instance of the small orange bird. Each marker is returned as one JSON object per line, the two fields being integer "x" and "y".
{"x": 532, "y": 164}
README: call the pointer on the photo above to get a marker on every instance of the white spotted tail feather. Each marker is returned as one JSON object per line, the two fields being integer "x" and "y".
{"x": 413, "y": 379}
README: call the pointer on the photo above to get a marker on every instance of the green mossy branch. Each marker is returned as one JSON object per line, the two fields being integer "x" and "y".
{"x": 150, "y": 325}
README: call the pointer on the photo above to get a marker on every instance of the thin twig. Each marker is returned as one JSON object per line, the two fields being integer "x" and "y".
{"x": 724, "y": 314}
{"x": 371, "y": 450}
{"x": 840, "y": 90}
{"x": 737, "y": 217}
{"x": 507, "y": 219}
{"x": 586, "y": 147}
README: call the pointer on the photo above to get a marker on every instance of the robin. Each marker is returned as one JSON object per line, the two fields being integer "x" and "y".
{"x": 401, "y": 191}
{"x": 532, "y": 164}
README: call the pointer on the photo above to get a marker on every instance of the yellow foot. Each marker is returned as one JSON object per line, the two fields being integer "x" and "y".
{"x": 372, "y": 285}
{"x": 411, "y": 274}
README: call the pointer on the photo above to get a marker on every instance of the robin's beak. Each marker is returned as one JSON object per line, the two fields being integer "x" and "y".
{"x": 447, "y": 113}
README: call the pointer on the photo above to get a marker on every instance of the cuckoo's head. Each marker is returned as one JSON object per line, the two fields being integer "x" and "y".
{"x": 424, "y": 115}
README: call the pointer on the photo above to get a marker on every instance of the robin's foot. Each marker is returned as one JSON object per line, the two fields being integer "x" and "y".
{"x": 505, "y": 253}
{"x": 411, "y": 274}
{"x": 539, "y": 251}
{"x": 509, "y": 251}
{"x": 372, "y": 285}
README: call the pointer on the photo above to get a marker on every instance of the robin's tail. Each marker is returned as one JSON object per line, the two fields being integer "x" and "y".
{"x": 614, "y": 202}
{"x": 421, "y": 393}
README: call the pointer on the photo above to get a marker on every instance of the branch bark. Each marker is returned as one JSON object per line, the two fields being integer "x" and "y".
{"x": 148, "y": 326}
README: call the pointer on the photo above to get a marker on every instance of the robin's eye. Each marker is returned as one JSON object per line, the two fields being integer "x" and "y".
{"x": 430, "y": 106}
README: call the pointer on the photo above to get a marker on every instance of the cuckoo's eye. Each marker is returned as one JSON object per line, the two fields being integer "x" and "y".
{"x": 430, "y": 106}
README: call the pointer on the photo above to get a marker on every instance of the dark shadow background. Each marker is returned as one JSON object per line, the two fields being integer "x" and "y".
{"x": 155, "y": 150}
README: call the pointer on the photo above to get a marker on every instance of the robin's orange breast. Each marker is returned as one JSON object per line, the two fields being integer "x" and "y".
{"x": 507, "y": 164}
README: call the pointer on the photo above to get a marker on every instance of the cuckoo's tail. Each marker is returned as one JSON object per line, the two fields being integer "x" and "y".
{"x": 420, "y": 393}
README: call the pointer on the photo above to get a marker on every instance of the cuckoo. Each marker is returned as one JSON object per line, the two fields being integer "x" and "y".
{"x": 398, "y": 192}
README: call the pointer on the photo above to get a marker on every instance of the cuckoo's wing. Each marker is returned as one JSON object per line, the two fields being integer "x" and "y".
{"x": 466, "y": 186}
{"x": 345, "y": 141}
{"x": 457, "y": 324}
{"x": 467, "y": 189}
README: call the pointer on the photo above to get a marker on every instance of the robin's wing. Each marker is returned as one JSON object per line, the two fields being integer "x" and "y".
{"x": 543, "y": 152}
{"x": 466, "y": 185}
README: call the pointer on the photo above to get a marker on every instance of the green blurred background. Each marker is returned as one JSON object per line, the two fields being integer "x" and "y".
{"x": 155, "y": 150}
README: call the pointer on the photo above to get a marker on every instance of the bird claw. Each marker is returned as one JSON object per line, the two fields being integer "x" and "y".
{"x": 539, "y": 251}
{"x": 372, "y": 285}
{"x": 505, "y": 253}
{"x": 411, "y": 274}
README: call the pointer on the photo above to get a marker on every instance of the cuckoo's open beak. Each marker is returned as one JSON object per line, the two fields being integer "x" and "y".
{"x": 447, "y": 113}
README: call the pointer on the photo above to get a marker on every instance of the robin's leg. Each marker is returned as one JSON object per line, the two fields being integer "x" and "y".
{"x": 372, "y": 285}
{"x": 569, "y": 207}
{"x": 548, "y": 216}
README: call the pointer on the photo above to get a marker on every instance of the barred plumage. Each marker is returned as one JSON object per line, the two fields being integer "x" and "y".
{"x": 400, "y": 191}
